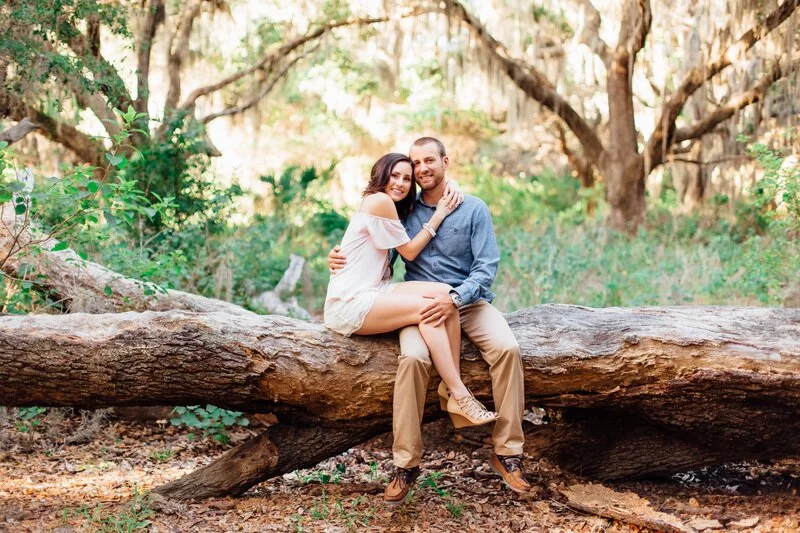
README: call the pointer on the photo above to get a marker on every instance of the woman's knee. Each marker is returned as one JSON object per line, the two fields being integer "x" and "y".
{"x": 442, "y": 288}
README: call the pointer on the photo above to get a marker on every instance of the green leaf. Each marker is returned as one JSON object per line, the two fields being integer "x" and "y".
{"x": 114, "y": 159}
{"x": 83, "y": 255}
{"x": 93, "y": 186}
{"x": 60, "y": 246}
{"x": 108, "y": 291}
{"x": 20, "y": 209}
{"x": 5, "y": 196}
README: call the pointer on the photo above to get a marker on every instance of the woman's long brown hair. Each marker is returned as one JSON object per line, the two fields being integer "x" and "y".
{"x": 379, "y": 178}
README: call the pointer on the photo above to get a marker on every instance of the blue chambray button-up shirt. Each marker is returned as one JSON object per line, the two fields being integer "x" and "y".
{"x": 463, "y": 254}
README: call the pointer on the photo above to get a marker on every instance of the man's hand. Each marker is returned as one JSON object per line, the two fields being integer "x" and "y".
{"x": 440, "y": 308}
{"x": 336, "y": 260}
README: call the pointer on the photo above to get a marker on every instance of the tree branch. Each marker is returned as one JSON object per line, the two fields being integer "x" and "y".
{"x": 178, "y": 48}
{"x": 664, "y": 135}
{"x": 153, "y": 17}
{"x": 17, "y": 132}
{"x": 534, "y": 84}
{"x": 272, "y": 57}
{"x": 85, "y": 147}
{"x": 95, "y": 103}
{"x": 722, "y": 113}
{"x": 590, "y": 33}
{"x": 93, "y": 34}
{"x": 709, "y": 162}
{"x": 233, "y": 110}
{"x": 581, "y": 165}
{"x": 638, "y": 27}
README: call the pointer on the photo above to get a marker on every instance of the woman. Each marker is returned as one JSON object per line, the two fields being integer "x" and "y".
{"x": 363, "y": 300}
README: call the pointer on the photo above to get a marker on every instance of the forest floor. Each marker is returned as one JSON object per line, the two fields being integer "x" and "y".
{"x": 75, "y": 477}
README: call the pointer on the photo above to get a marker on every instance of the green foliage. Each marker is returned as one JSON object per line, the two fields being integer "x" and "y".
{"x": 243, "y": 261}
{"x": 468, "y": 122}
{"x": 592, "y": 265}
{"x": 553, "y": 252}
{"x": 774, "y": 202}
{"x": 451, "y": 504}
{"x": 32, "y": 34}
{"x": 28, "y": 419}
{"x": 353, "y": 515}
{"x": 323, "y": 477}
{"x": 161, "y": 456}
{"x": 213, "y": 421}
{"x": 175, "y": 171}
{"x": 522, "y": 201}
{"x": 558, "y": 20}
{"x": 83, "y": 202}
{"x": 134, "y": 516}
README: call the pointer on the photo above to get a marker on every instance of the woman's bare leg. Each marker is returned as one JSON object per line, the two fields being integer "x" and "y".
{"x": 453, "y": 327}
{"x": 452, "y": 324}
{"x": 398, "y": 309}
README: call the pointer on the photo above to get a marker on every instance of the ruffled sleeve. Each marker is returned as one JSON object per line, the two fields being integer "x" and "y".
{"x": 386, "y": 233}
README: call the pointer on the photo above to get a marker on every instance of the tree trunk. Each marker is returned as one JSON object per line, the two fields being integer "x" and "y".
{"x": 632, "y": 391}
{"x": 625, "y": 192}
{"x": 695, "y": 179}
{"x": 624, "y": 170}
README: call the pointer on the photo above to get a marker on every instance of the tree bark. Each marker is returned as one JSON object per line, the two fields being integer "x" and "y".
{"x": 633, "y": 392}
{"x": 624, "y": 170}
{"x": 696, "y": 175}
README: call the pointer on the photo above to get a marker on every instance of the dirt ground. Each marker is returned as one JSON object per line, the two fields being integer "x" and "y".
{"x": 81, "y": 474}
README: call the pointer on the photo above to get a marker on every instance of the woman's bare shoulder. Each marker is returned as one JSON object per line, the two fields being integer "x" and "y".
{"x": 379, "y": 204}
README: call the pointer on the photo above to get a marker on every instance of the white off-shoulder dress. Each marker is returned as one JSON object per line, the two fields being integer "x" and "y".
{"x": 352, "y": 290}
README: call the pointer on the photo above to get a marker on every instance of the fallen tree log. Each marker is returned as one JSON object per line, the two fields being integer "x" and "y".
{"x": 84, "y": 286}
{"x": 279, "y": 301}
{"x": 633, "y": 391}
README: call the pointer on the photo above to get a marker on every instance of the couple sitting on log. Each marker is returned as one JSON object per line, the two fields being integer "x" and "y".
{"x": 451, "y": 262}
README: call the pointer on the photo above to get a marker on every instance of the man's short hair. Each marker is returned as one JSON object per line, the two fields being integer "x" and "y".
{"x": 427, "y": 140}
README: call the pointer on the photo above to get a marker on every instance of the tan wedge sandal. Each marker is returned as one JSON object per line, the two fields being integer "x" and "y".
{"x": 468, "y": 411}
{"x": 444, "y": 395}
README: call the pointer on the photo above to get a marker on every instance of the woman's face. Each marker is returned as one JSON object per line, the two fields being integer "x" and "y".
{"x": 399, "y": 181}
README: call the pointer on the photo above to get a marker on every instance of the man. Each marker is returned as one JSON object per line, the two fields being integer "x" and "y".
{"x": 464, "y": 255}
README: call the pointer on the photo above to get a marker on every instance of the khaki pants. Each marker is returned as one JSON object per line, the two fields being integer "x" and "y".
{"x": 485, "y": 326}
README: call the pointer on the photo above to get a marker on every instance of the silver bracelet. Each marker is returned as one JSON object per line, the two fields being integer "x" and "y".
{"x": 428, "y": 227}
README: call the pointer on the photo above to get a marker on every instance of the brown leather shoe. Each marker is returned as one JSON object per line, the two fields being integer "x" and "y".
{"x": 510, "y": 469}
{"x": 397, "y": 489}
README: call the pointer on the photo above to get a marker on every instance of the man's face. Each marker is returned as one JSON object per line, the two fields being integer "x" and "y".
{"x": 429, "y": 165}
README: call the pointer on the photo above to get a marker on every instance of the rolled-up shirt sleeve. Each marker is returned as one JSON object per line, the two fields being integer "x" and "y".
{"x": 486, "y": 258}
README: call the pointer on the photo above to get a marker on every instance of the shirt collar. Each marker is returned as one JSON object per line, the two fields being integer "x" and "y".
{"x": 421, "y": 201}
